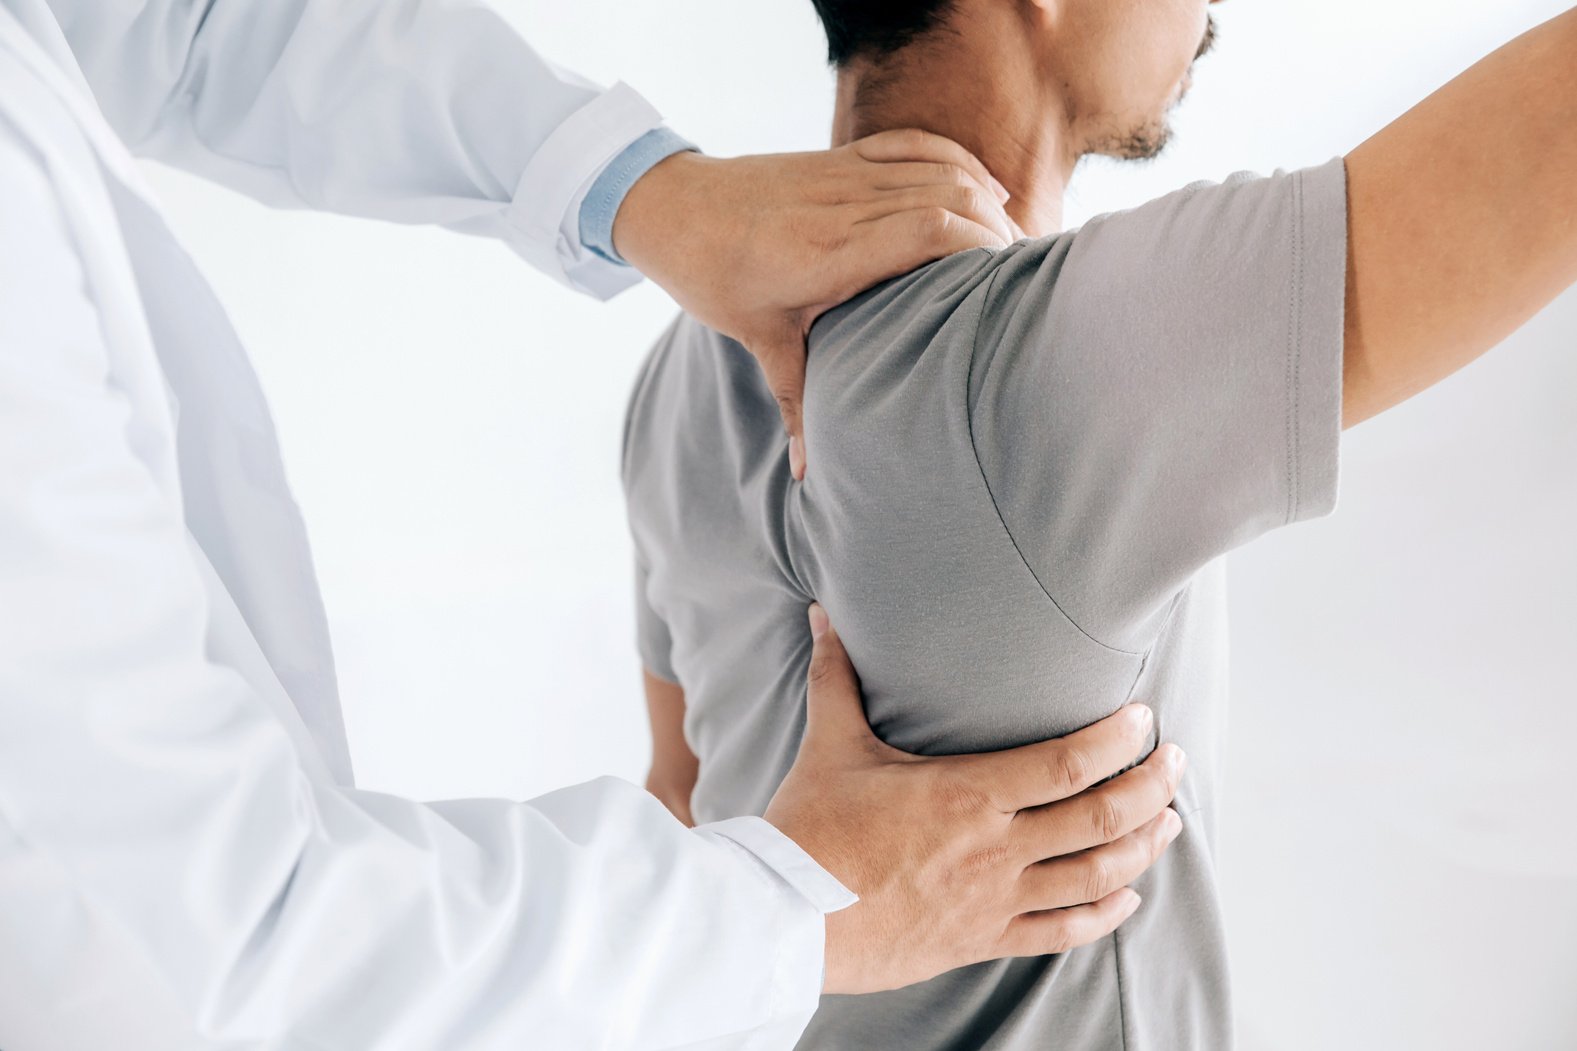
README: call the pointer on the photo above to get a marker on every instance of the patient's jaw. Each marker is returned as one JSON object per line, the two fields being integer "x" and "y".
{"x": 1031, "y": 86}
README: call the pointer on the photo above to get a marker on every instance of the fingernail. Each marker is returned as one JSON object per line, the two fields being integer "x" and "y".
{"x": 818, "y": 621}
{"x": 1176, "y": 760}
{"x": 797, "y": 457}
{"x": 1133, "y": 906}
{"x": 1002, "y": 191}
{"x": 1142, "y": 716}
{"x": 1174, "y": 825}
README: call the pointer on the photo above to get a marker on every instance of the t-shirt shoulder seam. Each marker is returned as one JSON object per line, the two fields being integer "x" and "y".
{"x": 985, "y": 481}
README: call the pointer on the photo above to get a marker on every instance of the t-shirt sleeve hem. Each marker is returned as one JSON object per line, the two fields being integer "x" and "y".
{"x": 1317, "y": 329}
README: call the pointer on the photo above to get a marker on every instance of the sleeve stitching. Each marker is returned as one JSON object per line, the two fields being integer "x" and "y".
{"x": 974, "y": 450}
{"x": 1294, "y": 368}
{"x": 1297, "y": 375}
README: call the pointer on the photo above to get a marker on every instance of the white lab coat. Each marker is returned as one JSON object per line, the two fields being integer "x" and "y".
{"x": 184, "y": 862}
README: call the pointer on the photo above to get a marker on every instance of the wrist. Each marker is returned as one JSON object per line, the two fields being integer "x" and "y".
{"x": 839, "y": 966}
{"x": 605, "y": 197}
{"x": 843, "y": 939}
{"x": 659, "y": 209}
{"x": 672, "y": 792}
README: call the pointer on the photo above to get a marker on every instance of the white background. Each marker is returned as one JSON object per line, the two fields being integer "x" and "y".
{"x": 1400, "y": 857}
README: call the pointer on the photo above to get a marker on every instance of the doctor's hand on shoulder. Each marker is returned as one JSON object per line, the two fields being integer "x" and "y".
{"x": 966, "y": 858}
{"x": 758, "y": 247}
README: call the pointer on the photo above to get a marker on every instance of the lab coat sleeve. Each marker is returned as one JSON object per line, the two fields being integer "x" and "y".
{"x": 277, "y": 906}
{"x": 419, "y": 111}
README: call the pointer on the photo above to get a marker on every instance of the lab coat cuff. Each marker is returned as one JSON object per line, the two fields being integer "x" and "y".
{"x": 599, "y": 205}
{"x": 544, "y": 217}
{"x": 787, "y": 859}
{"x": 805, "y": 893}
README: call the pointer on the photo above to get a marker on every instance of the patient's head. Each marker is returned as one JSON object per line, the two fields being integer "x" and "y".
{"x": 1030, "y": 86}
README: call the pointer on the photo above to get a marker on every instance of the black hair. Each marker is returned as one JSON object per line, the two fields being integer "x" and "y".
{"x": 876, "y": 27}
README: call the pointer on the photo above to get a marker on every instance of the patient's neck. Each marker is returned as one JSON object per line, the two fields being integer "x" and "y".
{"x": 1019, "y": 137}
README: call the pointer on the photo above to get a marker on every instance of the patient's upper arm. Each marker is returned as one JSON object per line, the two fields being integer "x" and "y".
{"x": 1163, "y": 385}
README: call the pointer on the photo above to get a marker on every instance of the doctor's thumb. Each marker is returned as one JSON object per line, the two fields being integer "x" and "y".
{"x": 782, "y": 360}
{"x": 834, "y": 712}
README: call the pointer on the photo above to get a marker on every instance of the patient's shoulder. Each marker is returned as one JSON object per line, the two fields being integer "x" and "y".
{"x": 890, "y": 343}
{"x": 928, "y": 295}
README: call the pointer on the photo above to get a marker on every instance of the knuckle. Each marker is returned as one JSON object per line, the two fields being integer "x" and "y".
{"x": 1098, "y": 878}
{"x": 935, "y": 223}
{"x": 985, "y": 859}
{"x": 959, "y": 796}
{"x": 1070, "y": 768}
{"x": 830, "y": 239}
{"x": 1106, "y": 816}
{"x": 821, "y": 668}
{"x": 968, "y": 200}
{"x": 1059, "y": 937}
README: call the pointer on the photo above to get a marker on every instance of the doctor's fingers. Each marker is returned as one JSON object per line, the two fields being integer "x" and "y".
{"x": 1101, "y": 814}
{"x": 835, "y": 722}
{"x": 899, "y": 242}
{"x": 1047, "y": 771}
{"x": 905, "y": 175}
{"x": 969, "y": 204}
{"x": 1059, "y": 930}
{"x": 911, "y": 147}
{"x": 780, "y": 352}
{"x": 1092, "y": 874}
{"x": 893, "y": 179}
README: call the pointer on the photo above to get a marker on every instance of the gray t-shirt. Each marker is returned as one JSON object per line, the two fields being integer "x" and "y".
{"x": 1024, "y": 466}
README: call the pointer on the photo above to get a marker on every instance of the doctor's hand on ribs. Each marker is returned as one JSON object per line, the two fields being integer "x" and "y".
{"x": 1023, "y": 852}
{"x": 758, "y": 247}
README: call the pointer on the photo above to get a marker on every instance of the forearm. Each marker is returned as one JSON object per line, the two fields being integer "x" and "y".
{"x": 152, "y": 768}
{"x": 421, "y": 111}
{"x": 674, "y": 766}
{"x": 1463, "y": 219}
{"x": 672, "y": 793}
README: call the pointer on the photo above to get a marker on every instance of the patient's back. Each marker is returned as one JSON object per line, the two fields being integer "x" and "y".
{"x": 1023, "y": 466}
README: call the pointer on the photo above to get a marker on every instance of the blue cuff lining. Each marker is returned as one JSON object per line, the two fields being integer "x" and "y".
{"x": 602, "y": 201}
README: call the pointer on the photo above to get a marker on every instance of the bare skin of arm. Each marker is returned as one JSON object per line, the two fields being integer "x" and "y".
{"x": 674, "y": 765}
{"x": 1462, "y": 219}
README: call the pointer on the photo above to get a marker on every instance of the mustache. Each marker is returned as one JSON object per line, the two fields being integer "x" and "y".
{"x": 1209, "y": 39}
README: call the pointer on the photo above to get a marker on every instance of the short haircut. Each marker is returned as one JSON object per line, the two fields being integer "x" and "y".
{"x": 873, "y": 28}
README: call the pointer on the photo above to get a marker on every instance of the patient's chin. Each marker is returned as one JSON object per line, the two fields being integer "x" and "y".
{"x": 1134, "y": 141}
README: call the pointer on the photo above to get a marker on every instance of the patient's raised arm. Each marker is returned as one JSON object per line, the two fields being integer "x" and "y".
{"x": 1462, "y": 219}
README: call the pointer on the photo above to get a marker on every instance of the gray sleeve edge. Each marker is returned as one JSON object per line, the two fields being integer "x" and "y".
{"x": 1318, "y": 323}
